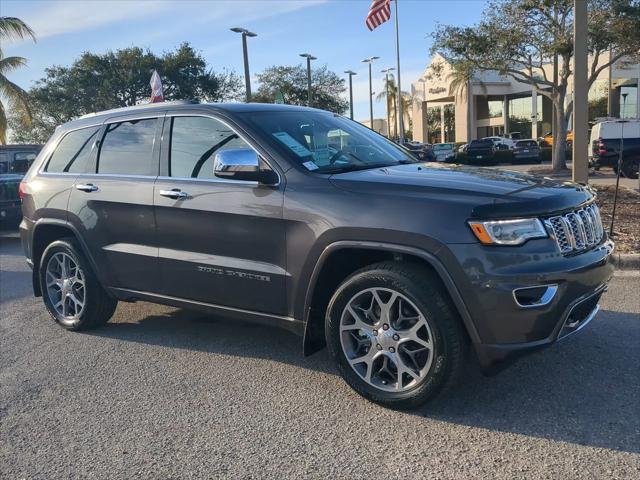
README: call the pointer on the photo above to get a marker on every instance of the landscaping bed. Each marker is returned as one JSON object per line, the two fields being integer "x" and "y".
{"x": 626, "y": 228}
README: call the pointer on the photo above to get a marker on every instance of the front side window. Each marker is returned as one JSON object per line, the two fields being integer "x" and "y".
{"x": 127, "y": 148}
{"x": 194, "y": 144}
{"x": 72, "y": 151}
{"x": 325, "y": 143}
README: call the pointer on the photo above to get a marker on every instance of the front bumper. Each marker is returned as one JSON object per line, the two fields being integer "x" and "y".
{"x": 488, "y": 276}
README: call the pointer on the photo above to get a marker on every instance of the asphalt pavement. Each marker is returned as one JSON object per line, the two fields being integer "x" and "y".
{"x": 167, "y": 393}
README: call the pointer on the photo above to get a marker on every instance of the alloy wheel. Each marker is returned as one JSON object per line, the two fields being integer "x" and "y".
{"x": 386, "y": 339}
{"x": 65, "y": 282}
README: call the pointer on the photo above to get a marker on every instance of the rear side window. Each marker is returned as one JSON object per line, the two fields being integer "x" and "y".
{"x": 22, "y": 161}
{"x": 194, "y": 144}
{"x": 127, "y": 148}
{"x": 526, "y": 143}
{"x": 72, "y": 152}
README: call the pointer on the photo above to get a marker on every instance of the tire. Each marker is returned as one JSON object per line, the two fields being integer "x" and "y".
{"x": 630, "y": 168}
{"x": 97, "y": 305}
{"x": 418, "y": 291}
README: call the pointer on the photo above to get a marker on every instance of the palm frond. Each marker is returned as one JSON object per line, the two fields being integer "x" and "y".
{"x": 8, "y": 64}
{"x": 3, "y": 126}
{"x": 13, "y": 28}
{"x": 18, "y": 99}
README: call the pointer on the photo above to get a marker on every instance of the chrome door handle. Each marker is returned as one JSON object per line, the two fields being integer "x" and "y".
{"x": 175, "y": 194}
{"x": 88, "y": 187}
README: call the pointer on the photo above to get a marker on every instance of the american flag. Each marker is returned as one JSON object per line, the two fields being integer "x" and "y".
{"x": 379, "y": 12}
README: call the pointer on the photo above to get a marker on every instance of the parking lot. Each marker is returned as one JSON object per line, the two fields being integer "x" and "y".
{"x": 165, "y": 393}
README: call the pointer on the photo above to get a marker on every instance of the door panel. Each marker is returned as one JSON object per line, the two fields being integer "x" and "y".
{"x": 112, "y": 204}
{"x": 224, "y": 242}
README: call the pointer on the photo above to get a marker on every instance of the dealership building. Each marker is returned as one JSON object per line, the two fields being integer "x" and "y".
{"x": 495, "y": 105}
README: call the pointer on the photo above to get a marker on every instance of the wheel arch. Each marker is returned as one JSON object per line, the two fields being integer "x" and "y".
{"x": 313, "y": 338}
{"x": 44, "y": 233}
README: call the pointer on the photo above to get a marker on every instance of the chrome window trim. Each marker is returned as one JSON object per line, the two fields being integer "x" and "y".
{"x": 243, "y": 137}
{"x": 214, "y": 180}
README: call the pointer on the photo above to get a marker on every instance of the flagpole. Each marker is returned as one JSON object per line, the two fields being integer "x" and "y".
{"x": 399, "y": 92}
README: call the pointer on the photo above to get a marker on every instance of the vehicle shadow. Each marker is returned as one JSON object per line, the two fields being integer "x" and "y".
{"x": 584, "y": 391}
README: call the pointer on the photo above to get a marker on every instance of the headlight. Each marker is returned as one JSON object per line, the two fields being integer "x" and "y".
{"x": 508, "y": 232}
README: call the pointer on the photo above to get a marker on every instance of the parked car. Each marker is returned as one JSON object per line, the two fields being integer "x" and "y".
{"x": 421, "y": 151}
{"x": 444, "y": 152}
{"x": 498, "y": 141}
{"x": 481, "y": 151}
{"x": 606, "y": 142}
{"x": 547, "y": 139}
{"x": 15, "y": 160}
{"x": 526, "y": 151}
{"x": 242, "y": 210}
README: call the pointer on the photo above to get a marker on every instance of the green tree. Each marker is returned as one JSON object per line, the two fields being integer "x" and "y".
{"x": 327, "y": 88}
{"x": 97, "y": 82}
{"x": 16, "y": 97}
{"x": 520, "y": 38}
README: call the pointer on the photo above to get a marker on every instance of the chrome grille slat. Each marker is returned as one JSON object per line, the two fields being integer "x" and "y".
{"x": 578, "y": 230}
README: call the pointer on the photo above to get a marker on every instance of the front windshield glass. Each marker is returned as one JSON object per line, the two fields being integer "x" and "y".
{"x": 326, "y": 143}
{"x": 443, "y": 146}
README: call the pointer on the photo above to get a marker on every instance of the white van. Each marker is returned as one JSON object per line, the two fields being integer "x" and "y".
{"x": 605, "y": 145}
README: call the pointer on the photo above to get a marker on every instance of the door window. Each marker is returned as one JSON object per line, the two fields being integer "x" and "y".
{"x": 127, "y": 148}
{"x": 73, "y": 151}
{"x": 194, "y": 144}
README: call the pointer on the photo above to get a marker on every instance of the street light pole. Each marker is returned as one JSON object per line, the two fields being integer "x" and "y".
{"x": 386, "y": 73}
{"x": 369, "y": 61}
{"x": 309, "y": 57}
{"x": 351, "y": 74}
{"x": 247, "y": 78}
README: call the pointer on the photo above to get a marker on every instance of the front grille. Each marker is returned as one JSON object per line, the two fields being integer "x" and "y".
{"x": 578, "y": 230}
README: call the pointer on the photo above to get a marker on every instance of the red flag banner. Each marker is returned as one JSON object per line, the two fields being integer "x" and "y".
{"x": 156, "y": 88}
{"x": 379, "y": 12}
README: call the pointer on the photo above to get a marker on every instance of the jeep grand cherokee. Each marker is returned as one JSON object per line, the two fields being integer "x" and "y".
{"x": 306, "y": 220}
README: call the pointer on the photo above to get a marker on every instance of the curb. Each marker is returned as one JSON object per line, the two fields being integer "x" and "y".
{"x": 626, "y": 261}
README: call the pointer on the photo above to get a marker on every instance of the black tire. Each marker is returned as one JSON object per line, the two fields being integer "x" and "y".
{"x": 630, "y": 168}
{"x": 426, "y": 292}
{"x": 99, "y": 306}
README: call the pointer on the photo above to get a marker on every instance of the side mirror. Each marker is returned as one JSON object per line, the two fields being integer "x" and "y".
{"x": 241, "y": 164}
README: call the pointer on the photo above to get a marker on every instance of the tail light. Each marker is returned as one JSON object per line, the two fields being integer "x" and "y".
{"x": 21, "y": 190}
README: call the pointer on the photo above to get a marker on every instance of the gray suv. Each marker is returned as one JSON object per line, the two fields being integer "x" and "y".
{"x": 306, "y": 220}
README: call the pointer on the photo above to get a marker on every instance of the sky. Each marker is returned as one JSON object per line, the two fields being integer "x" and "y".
{"x": 332, "y": 30}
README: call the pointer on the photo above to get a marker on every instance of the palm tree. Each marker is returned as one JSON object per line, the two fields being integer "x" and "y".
{"x": 392, "y": 90}
{"x": 460, "y": 86}
{"x": 16, "y": 97}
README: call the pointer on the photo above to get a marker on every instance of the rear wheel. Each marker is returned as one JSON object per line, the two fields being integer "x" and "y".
{"x": 630, "y": 168}
{"x": 70, "y": 290}
{"x": 394, "y": 335}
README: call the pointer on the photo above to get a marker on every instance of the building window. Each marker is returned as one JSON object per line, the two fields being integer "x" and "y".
{"x": 628, "y": 108}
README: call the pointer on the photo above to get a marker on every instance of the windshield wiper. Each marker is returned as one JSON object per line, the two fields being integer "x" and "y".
{"x": 353, "y": 168}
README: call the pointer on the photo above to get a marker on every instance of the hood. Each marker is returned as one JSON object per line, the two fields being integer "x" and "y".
{"x": 490, "y": 193}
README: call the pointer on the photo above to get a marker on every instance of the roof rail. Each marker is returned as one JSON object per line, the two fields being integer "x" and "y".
{"x": 140, "y": 106}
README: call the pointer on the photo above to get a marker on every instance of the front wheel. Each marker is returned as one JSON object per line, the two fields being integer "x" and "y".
{"x": 630, "y": 168}
{"x": 394, "y": 335}
{"x": 70, "y": 290}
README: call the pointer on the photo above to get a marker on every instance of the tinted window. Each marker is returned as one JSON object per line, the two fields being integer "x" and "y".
{"x": 73, "y": 151}
{"x": 22, "y": 161}
{"x": 4, "y": 163}
{"x": 481, "y": 143}
{"x": 194, "y": 144}
{"x": 127, "y": 148}
{"x": 526, "y": 143}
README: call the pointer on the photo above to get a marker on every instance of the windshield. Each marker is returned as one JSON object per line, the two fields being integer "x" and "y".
{"x": 326, "y": 143}
{"x": 443, "y": 146}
